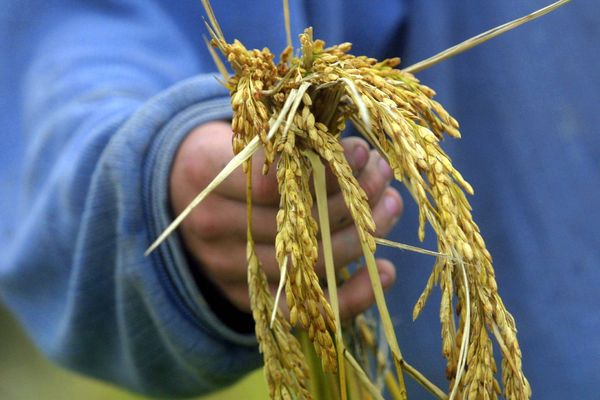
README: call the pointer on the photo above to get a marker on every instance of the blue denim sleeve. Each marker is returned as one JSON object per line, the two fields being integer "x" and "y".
{"x": 99, "y": 146}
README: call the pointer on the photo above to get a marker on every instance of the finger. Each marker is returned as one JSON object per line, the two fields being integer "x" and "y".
{"x": 356, "y": 294}
{"x": 264, "y": 187}
{"x": 345, "y": 243}
{"x": 207, "y": 150}
{"x": 204, "y": 152}
{"x": 376, "y": 176}
{"x": 224, "y": 256}
{"x": 219, "y": 217}
{"x": 265, "y": 190}
{"x": 356, "y": 151}
{"x": 225, "y": 261}
{"x": 237, "y": 295}
{"x": 387, "y": 211}
{"x": 373, "y": 178}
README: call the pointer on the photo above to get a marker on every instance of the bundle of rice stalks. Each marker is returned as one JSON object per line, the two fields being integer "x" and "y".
{"x": 296, "y": 110}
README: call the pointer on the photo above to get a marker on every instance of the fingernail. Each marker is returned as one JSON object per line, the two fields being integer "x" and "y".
{"x": 360, "y": 155}
{"x": 386, "y": 279}
{"x": 391, "y": 204}
{"x": 385, "y": 169}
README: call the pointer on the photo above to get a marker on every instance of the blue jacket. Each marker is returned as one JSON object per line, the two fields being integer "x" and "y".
{"x": 95, "y": 97}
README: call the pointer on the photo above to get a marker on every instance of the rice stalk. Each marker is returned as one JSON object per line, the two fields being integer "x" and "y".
{"x": 218, "y": 63}
{"x": 482, "y": 37}
{"x": 321, "y": 194}
{"x": 414, "y": 249}
{"x": 288, "y": 25}
{"x": 362, "y": 376}
{"x": 462, "y": 357}
{"x": 386, "y": 320}
{"x": 281, "y": 350}
{"x": 296, "y": 111}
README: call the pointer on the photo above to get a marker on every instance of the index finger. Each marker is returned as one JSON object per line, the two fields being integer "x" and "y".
{"x": 264, "y": 187}
{"x": 356, "y": 151}
{"x": 208, "y": 150}
{"x": 265, "y": 191}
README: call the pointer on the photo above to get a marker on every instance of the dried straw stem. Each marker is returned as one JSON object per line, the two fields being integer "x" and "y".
{"x": 481, "y": 38}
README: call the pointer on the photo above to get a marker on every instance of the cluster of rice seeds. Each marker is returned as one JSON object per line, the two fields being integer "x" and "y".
{"x": 250, "y": 117}
{"x": 413, "y": 125}
{"x": 285, "y": 368}
{"x": 297, "y": 239}
{"x": 255, "y": 71}
{"x": 459, "y": 235}
{"x": 479, "y": 380}
{"x": 329, "y": 148}
{"x": 398, "y": 116}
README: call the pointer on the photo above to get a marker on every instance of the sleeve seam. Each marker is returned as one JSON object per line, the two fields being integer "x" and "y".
{"x": 172, "y": 265}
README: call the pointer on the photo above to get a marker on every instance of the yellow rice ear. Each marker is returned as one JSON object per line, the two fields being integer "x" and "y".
{"x": 383, "y": 103}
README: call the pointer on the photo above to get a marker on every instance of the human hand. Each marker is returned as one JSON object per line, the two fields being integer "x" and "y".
{"x": 215, "y": 232}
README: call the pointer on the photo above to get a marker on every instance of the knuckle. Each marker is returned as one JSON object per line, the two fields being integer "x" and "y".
{"x": 373, "y": 154}
{"x": 265, "y": 190}
{"x": 206, "y": 225}
{"x": 383, "y": 225}
{"x": 372, "y": 181}
{"x": 369, "y": 187}
{"x": 349, "y": 248}
{"x": 397, "y": 197}
{"x": 187, "y": 161}
{"x": 377, "y": 179}
{"x": 400, "y": 201}
{"x": 351, "y": 306}
{"x": 187, "y": 167}
{"x": 219, "y": 266}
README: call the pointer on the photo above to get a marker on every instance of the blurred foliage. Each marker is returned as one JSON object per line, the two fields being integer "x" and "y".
{"x": 25, "y": 374}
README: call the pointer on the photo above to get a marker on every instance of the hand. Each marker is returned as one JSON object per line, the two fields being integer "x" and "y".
{"x": 215, "y": 232}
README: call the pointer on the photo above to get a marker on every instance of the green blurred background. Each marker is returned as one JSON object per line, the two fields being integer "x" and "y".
{"x": 25, "y": 374}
